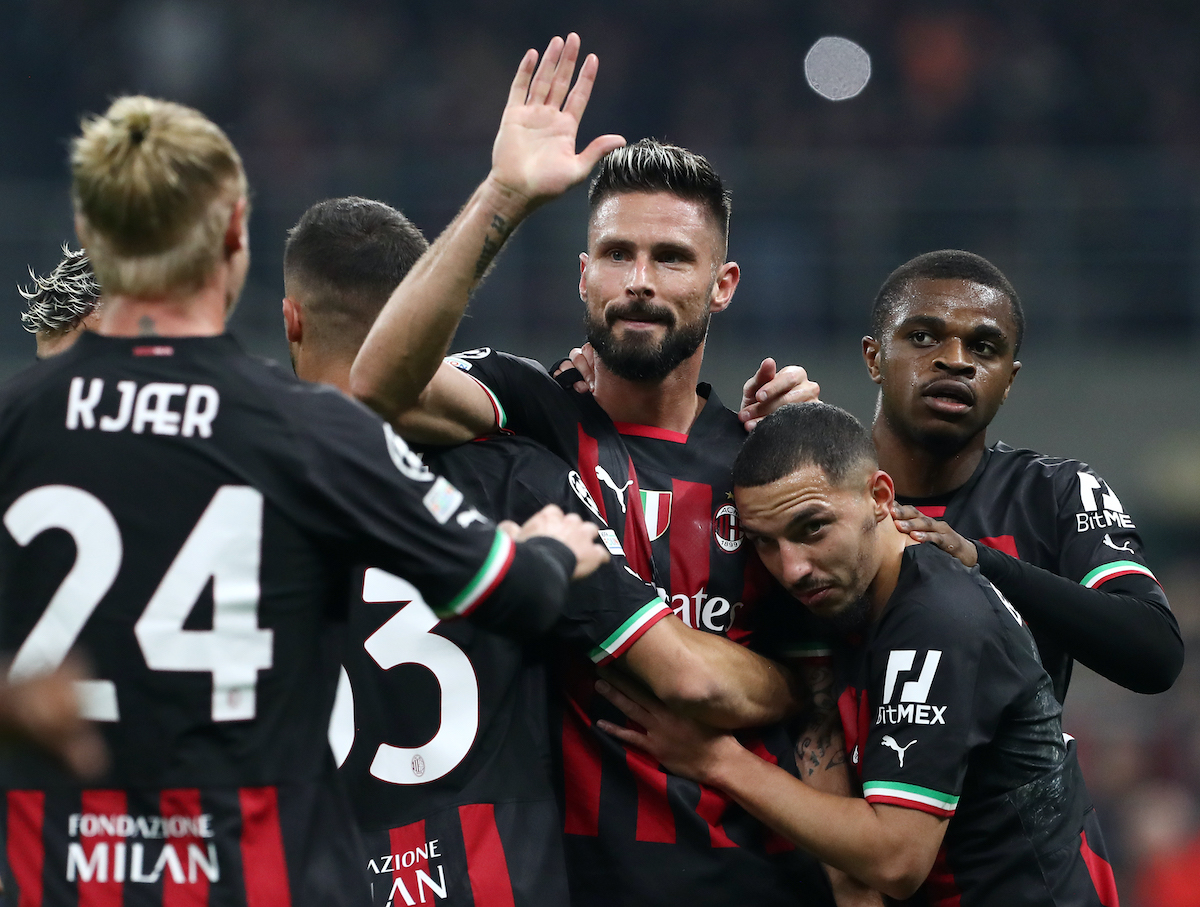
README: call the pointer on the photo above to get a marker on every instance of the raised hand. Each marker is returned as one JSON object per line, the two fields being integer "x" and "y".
{"x": 923, "y": 528}
{"x": 771, "y": 388}
{"x": 534, "y": 152}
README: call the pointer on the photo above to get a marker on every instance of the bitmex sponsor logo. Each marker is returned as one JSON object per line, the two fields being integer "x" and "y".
{"x": 134, "y": 861}
{"x": 411, "y": 865}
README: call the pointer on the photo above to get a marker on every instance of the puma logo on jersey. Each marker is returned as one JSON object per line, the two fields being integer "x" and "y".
{"x": 1126, "y": 547}
{"x": 891, "y": 744}
{"x": 603, "y": 476}
{"x": 147, "y": 407}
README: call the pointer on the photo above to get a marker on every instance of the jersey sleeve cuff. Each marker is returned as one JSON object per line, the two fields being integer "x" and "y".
{"x": 497, "y": 410}
{"x": 630, "y": 632}
{"x": 1106, "y": 572}
{"x": 488, "y": 577}
{"x": 897, "y": 793}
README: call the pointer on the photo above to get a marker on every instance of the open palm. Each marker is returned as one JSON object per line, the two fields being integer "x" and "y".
{"x": 534, "y": 153}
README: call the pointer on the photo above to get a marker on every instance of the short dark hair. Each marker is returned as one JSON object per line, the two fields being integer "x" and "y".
{"x": 649, "y": 165}
{"x": 59, "y": 301}
{"x": 346, "y": 256}
{"x": 946, "y": 264}
{"x": 804, "y": 434}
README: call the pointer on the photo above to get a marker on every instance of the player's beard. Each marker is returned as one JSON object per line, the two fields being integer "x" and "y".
{"x": 638, "y": 357}
{"x": 853, "y": 618}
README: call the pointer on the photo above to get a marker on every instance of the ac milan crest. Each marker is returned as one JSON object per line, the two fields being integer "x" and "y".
{"x": 656, "y": 506}
{"x": 727, "y": 528}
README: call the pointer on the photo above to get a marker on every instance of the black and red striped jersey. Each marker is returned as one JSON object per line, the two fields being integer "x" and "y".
{"x": 445, "y": 739}
{"x": 946, "y": 709}
{"x": 189, "y": 518}
{"x": 1057, "y": 514}
{"x": 634, "y": 833}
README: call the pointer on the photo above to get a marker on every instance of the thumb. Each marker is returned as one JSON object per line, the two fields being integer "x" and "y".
{"x": 598, "y": 147}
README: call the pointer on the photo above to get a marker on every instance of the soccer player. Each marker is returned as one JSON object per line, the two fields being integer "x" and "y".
{"x": 652, "y": 447}
{"x": 61, "y": 304}
{"x": 190, "y": 517}
{"x": 1052, "y": 535}
{"x": 971, "y": 795}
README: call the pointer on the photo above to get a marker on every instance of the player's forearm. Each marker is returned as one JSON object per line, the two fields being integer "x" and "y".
{"x": 412, "y": 334}
{"x": 1131, "y": 641}
{"x": 747, "y": 690}
{"x": 845, "y": 832}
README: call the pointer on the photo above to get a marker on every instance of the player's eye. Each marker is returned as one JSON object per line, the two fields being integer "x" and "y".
{"x": 921, "y": 338}
{"x": 618, "y": 255}
{"x": 985, "y": 348}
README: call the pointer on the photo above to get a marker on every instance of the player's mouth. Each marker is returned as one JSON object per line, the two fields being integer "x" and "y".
{"x": 814, "y": 597}
{"x": 948, "y": 396}
{"x": 640, "y": 317}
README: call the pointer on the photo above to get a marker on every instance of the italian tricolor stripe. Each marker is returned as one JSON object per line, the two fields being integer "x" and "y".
{"x": 1116, "y": 568}
{"x": 899, "y": 794}
{"x": 501, "y": 415}
{"x": 627, "y": 634}
{"x": 489, "y": 576}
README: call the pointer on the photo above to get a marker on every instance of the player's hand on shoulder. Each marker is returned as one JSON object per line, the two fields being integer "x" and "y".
{"x": 569, "y": 528}
{"x": 582, "y": 359}
{"x": 534, "y": 152}
{"x": 771, "y": 387}
{"x": 923, "y": 528}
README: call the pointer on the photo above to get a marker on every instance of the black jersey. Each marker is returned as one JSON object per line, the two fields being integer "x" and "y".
{"x": 1056, "y": 514}
{"x": 946, "y": 709}
{"x": 451, "y": 746}
{"x": 189, "y": 517}
{"x": 636, "y": 834}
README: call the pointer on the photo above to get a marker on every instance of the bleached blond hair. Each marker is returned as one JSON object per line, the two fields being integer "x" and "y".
{"x": 154, "y": 184}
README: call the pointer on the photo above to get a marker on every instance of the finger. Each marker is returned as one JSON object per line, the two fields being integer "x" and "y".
{"x": 509, "y": 528}
{"x": 625, "y": 701}
{"x": 520, "y": 83}
{"x": 577, "y": 100}
{"x": 624, "y": 734}
{"x": 540, "y": 86}
{"x": 781, "y": 382}
{"x": 598, "y": 147}
{"x": 564, "y": 71}
{"x": 85, "y": 754}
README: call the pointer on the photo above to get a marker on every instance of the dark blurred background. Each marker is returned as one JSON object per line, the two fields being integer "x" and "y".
{"x": 1061, "y": 140}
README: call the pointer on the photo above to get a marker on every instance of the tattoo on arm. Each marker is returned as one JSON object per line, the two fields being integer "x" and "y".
{"x": 498, "y": 232}
{"x": 146, "y": 326}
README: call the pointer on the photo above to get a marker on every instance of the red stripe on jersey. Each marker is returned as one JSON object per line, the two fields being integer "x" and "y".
{"x": 710, "y": 808}
{"x": 636, "y": 540}
{"x": 26, "y": 853}
{"x": 655, "y": 821}
{"x": 1101, "y": 872}
{"x": 691, "y": 526}
{"x": 105, "y": 885}
{"x": 589, "y": 459}
{"x": 496, "y": 581}
{"x": 934, "y": 512}
{"x": 195, "y": 853}
{"x": 1005, "y": 543}
{"x": 650, "y": 431}
{"x": 412, "y": 882}
{"x": 264, "y": 867}
{"x": 910, "y": 804}
{"x": 487, "y": 867}
{"x": 581, "y": 782}
{"x": 855, "y": 723}
{"x": 939, "y": 885}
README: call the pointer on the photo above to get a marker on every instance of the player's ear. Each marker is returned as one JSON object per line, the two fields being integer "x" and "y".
{"x": 583, "y": 263}
{"x": 870, "y": 350}
{"x": 883, "y": 492}
{"x": 1016, "y": 367}
{"x": 728, "y": 276}
{"x": 293, "y": 320}
{"x": 235, "y": 232}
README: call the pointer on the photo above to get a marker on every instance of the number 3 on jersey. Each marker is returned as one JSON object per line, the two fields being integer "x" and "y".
{"x": 225, "y": 545}
{"x": 406, "y": 638}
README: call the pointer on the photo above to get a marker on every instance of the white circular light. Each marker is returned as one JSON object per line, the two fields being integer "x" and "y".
{"x": 837, "y": 68}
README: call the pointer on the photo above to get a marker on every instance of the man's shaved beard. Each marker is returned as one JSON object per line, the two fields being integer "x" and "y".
{"x": 853, "y": 618}
{"x": 638, "y": 357}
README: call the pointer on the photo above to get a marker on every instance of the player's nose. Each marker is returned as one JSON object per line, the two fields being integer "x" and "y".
{"x": 641, "y": 277}
{"x": 953, "y": 356}
{"x": 796, "y": 566}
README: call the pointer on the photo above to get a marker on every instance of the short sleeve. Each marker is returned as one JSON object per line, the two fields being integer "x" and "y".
{"x": 937, "y": 687}
{"x": 1099, "y": 542}
{"x": 388, "y": 509}
{"x": 524, "y": 396}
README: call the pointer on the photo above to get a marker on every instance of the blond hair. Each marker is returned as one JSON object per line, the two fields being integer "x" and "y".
{"x": 154, "y": 185}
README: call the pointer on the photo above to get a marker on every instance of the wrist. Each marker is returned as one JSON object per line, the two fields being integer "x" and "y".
{"x": 725, "y": 764}
{"x": 504, "y": 201}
